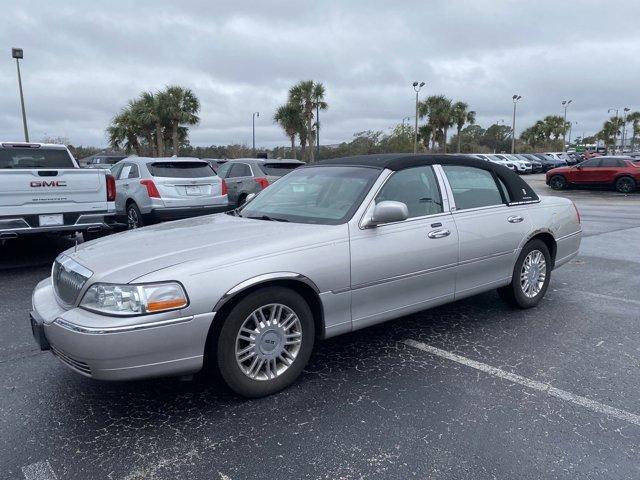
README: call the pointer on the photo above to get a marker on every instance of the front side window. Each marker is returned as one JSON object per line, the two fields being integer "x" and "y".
{"x": 133, "y": 173}
{"x": 417, "y": 188}
{"x": 321, "y": 195}
{"x": 472, "y": 187}
{"x": 124, "y": 173}
{"x": 223, "y": 170}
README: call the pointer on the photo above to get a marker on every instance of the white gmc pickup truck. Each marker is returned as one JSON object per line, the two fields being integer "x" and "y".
{"x": 42, "y": 189}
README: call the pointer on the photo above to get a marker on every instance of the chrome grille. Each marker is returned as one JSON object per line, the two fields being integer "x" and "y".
{"x": 68, "y": 278}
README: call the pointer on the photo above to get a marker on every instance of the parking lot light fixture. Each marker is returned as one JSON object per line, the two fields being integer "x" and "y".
{"x": 255, "y": 114}
{"x": 416, "y": 86}
{"x": 565, "y": 104}
{"x": 516, "y": 98}
{"x": 18, "y": 54}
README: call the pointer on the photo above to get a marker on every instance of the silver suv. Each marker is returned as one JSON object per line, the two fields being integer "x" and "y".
{"x": 149, "y": 190}
{"x": 245, "y": 176}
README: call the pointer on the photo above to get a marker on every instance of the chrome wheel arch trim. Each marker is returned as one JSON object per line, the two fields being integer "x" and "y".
{"x": 265, "y": 277}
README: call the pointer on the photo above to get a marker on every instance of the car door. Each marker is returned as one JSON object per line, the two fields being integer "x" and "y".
{"x": 403, "y": 267}
{"x": 490, "y": 231}
{"x": 223, "y": 172}
{"x": 586, "y": 172}
{"x": 244, "y": 179}
{"x": 121, "y": 174}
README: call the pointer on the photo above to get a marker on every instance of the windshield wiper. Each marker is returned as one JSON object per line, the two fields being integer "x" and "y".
{"x": 268, "y": 218}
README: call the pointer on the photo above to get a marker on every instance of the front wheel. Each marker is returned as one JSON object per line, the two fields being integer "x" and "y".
{"x": 625, "y": 185}
{"x": 265, "y": 342}
{"x": 531, "y": 275}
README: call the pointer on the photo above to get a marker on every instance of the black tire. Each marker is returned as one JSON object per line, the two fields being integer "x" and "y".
{"x": 558, "y": 182}
{"x": 134, "y": 217}
{"x": 514, "y": 293}
{"x": 241, "y": 200}
{"x": 229, "y": 367}
{"x": 625, "y": 185}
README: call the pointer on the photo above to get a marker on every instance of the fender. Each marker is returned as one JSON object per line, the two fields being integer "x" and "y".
{"x": 266, "y": 277}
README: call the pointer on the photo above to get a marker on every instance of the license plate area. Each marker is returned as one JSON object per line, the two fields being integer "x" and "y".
{"x": 51, "y": 220}
{"x": 193, "y": 190}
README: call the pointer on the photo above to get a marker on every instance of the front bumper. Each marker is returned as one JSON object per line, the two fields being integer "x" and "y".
{"x": 112, "y": 348}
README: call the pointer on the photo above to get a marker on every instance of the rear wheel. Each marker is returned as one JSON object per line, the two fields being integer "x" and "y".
{"x": 241, "y": 200}
{"x": 625, "y": 185}
{"x": 265, "y": 342}
{"x": 531, "y": 275}
{"x": 558, "y": 182}
{"x": 134, "y": 217}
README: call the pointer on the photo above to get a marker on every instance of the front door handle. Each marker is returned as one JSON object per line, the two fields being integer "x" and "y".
{"x": 515, "y": 219}
{"x": 443, "y": 232}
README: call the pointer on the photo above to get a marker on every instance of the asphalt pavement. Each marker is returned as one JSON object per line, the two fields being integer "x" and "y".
{"x": 471, "y": 390}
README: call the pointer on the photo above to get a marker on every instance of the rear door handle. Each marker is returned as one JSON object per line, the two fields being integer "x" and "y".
{"x": 443, "y": 232}
{"x": 515, "y": 219}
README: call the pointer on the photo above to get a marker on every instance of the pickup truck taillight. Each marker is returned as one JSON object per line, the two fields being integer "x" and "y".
{"x": 224, "y": 189}
{"x": 111, "y": 188}
{"x": 263, "y": 182}
{"x": 152, "y": 190}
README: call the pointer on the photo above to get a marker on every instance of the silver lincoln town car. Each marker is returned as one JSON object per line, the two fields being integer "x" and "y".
{"x": 327, "y": 249}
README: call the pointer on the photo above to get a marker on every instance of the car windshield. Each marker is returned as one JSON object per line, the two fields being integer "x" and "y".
{"x": 323, "y": 195}
{"x": 181, "y": 169}
{"x": 35, "y": 158}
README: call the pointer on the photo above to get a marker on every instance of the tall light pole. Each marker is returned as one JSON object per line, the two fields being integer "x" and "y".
{"x": 516, "y": 98}
{"x": 571, "y": 124}
{"x": 624, "y": 126}
{"x": 317, "y": 131}
{"x": 255, "y": 114}
{"x": 416, "y": 86}
{"x": 495, "y": 143}
{"x": 565, "y": 104}
{"x": 615, "y": 139}
{"x": 18, "y": 54}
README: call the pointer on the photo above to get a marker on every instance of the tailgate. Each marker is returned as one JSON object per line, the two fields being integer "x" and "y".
{"x": 186, "y": 192}
{"x": 27, "y": 192}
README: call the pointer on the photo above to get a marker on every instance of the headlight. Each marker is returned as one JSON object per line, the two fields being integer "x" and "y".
{"x": 134, "y": 299}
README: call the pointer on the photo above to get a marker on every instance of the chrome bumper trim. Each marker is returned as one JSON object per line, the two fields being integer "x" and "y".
{"x": 123, "y": 329}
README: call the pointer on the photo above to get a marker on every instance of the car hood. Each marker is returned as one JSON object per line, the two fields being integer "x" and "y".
{"x": 223, "y": 239}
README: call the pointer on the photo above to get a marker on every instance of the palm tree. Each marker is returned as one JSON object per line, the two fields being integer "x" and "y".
{"x": 181, "y": 108}
{"x": 609, "y": 133}
{"x": 439, "y": 110}
{"x": 634, "y": 119}
{"x": 124, "y": 131}
{"x": 308, "y": 96}
{"x": 536, "y": 134}
{"x": 555, "y": 126}
{"x": 289, "y": 117}
{"x": 425, "y": 133}
{"x": 152, "y": 110}
{"x": 461, "y": 116}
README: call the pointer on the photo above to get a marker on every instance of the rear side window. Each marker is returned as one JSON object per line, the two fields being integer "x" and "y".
{"x": 612, "y": 162}
{"x": 181, "y": 169}
{"x": 35, "y": 158}
{"x": 279, "y": 169}
{"x": 472, "y": 187}
{"x": 239, "y": 170}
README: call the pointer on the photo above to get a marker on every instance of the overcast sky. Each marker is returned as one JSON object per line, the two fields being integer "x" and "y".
{"x": 84, "y": 60}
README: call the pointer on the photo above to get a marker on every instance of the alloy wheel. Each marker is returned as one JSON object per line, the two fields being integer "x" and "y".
{"x": 533, "y": 273}
{"x": 132, "y": 219}
{"x": 625, "y": 185}
{"x": 268, "y": 341}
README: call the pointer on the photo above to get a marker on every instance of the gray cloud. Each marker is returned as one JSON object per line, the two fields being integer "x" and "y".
{"x": 84, "y": 61}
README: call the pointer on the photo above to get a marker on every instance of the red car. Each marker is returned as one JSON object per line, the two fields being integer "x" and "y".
{"x": 621, "y": 173}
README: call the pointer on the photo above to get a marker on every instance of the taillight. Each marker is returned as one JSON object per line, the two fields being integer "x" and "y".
{"x": 263, "y": 182}
{"x": 111, "y": 188}
{"x": 577, "y": 213}
{"x": 225, "y": 190}
{"x": 152, "y": 190}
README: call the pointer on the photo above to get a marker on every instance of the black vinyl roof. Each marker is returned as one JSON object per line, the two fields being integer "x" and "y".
{"x": 519, "y": 190}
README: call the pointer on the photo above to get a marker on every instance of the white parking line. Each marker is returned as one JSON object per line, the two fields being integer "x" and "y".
{"x": 39, "y": 471}
{"x": 533, "y": 384}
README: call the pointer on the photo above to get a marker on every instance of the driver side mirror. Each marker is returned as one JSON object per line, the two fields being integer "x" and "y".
{"x": 387, "y": 212}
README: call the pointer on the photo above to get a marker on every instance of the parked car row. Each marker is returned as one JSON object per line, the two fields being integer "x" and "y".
{"x": 524, "y": 163}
